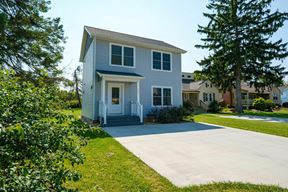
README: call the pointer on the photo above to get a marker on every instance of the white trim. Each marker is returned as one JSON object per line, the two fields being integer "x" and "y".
{"x": 122, "y": 94}
{"x": 138, "y": 90}
{"x": 161, "y": 52}
{"x": 161, "y": 87}
{"x": 122, "y": 56}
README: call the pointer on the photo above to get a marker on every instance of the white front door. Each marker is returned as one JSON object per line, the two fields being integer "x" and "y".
{"x": 115, "y": 98}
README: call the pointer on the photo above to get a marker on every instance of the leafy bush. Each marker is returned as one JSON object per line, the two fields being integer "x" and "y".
{"x": 35, "y": 139}
{"x": 72, "y": 104}
{"x": 168, "y": 114}
{"x": 188, "y": 105}
{"x": 214, "y": 107}
{"x": 285, "y": 104}
{"x": 263, "y": 105}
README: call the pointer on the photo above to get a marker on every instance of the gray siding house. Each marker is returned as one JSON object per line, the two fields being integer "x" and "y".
{"x": 125, "y": 76}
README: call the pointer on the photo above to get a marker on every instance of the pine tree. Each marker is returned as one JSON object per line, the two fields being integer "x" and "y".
{"x": 29, "y": 41}
{"x": 238, "y": 38}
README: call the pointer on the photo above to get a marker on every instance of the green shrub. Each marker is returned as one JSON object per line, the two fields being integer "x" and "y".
{"x": 35, "y": 139}
{"x": 188, "y": 105}
{"x": 263, "y": 105}
{"x": 214, "y": 107}
{"x": 168, "y": 114}
{"x": 72, "y": 104}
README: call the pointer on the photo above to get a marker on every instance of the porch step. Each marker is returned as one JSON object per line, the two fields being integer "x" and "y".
{"x": 122, "y": 121}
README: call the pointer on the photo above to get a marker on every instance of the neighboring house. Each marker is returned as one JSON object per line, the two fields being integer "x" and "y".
{"x": 250, "y": 93}
{"x": 187, "y": 77}
{"x": 284, "y": 94}
{"x": 125, "y": 76}
{"x": 200, "y": 93}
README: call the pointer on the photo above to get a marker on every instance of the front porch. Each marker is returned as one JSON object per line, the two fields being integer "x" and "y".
{"x": 119, "y": 102}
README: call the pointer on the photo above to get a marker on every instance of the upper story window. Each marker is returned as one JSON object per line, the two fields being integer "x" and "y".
{"x": 122, "y": 55}
{"x": 161, "y": 61}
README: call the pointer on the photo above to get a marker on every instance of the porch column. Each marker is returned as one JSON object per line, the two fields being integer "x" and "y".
{"x": 103, "y": 105}
{"x": 248, "y": 100}
{"x": 138, "y": 91}
{"x": 103, "y": 90}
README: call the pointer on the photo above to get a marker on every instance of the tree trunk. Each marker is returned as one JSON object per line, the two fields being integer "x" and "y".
{"x": 77, "y": 88}
{"x": 238, "y": 106}
{"x": 231, "y": 97}
{"x": 237, "y": 57}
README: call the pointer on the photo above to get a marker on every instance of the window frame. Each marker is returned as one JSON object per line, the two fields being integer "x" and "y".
{"x": 122, "y": 55}
{"x": 162, "y": 96}
{"x": 161, "y": 52}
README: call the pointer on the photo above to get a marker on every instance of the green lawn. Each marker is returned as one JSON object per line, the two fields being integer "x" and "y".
{"x": 75, "y": 112}
{"x": 282, "y": 113}
{"x": 110, "y": 167}
{"x": 280, "y": 129}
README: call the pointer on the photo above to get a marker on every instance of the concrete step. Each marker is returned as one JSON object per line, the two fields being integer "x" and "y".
{"x": 122, "y": 121}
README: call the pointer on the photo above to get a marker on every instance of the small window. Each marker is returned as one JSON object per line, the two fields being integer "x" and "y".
{"x": 205, "y": 97}
{"x": 128, "y": 56}
{"x": 182, "y": 75}
{"x": 157, "y": 97}
{"x": 206, "y": 85}
{"x": 211, "y": 85}
{"x": 122, "y": 55}
{"x": 115, "y": 96}
{"x": 156, "y": 60}
{"x": 162, "y": 96}
{"x": 166, "y": 96}
{"x": 210, "y": 97}
{"x": 275, "y": 96}
{"x": 161, "y": 61}
{"x": 116, "y": 55}
{"x": 189, "y": 76}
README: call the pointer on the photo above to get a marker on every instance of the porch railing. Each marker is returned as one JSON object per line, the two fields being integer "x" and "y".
{"x": 103, "y": 112}
{"x": 137, "y": 110}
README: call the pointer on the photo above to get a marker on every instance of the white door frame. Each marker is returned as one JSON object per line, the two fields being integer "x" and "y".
{"x": 121, "y": 85}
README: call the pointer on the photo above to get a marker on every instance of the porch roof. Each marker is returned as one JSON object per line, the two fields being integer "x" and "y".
{"x": 102, "y": 73}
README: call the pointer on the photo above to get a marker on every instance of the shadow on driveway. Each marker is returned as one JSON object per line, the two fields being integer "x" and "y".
{"x": 153, "y": 129}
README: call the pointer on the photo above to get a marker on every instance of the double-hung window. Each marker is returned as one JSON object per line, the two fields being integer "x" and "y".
{"x": 161, "y": 61}
{"x": 161, "y": 96}
{"x": 122, "y": 55}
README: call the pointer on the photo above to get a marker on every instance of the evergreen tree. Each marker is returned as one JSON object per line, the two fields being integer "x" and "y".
{"x": 29, "y": 41}
{"x": 238, "y": 38}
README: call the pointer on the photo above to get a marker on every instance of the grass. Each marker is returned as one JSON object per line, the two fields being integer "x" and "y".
{"x": 282, "y": 113}
{"x": 110, "y": 167}
{"x": 279, "y": 129}
{"x": 75, "y": 112}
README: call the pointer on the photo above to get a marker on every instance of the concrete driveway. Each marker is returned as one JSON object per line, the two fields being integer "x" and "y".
{"x": 192, "y": 153}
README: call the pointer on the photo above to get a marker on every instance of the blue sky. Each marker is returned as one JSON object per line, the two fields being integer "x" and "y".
{"x": 173, "y": 21}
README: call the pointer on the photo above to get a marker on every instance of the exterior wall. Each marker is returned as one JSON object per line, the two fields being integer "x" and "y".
{"x": 213, "y": 89}
{"x": 143, "y": 66}
{"x": 277, "y": 92}
{"x": 284, "y": 95}
{"x": 226, "y": 97}
{"x": 88, "y": 84}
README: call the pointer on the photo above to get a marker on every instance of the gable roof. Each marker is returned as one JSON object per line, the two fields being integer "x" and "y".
{"x": 246, "y": 87}
{"x": 193, "y": 86}
{"x": 123, "y": 38}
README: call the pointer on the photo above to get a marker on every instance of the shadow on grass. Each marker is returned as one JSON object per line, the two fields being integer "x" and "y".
{"x": 93, "y": 132}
